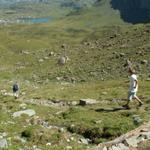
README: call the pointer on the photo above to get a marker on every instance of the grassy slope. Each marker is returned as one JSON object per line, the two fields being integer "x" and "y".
{"x": 40, "y": 40}
{"x": 87, "y": 63}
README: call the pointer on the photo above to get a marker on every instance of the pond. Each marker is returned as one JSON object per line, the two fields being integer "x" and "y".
{"x": 30, "y": 20}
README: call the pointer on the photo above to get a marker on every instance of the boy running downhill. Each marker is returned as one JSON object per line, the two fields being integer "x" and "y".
{"x": 133, "y": 88}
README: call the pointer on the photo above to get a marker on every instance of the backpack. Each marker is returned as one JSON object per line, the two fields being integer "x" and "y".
{"x": 15, "y": 87}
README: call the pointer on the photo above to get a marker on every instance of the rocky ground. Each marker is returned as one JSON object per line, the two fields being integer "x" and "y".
{"x": 25, "y": 125}
{"x": 132, "y": 140}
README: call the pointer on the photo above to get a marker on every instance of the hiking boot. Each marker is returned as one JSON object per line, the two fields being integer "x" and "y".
{"x": 140, "y": 104}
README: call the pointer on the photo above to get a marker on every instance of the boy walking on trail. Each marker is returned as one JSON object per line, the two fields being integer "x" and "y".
{"x": 15, "y": 90}
{"x": 133, "y": 88}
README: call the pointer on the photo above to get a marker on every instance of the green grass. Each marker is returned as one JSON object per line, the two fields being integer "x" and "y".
{"x": 81, "y": 121}
{"x": 94, "y": 47}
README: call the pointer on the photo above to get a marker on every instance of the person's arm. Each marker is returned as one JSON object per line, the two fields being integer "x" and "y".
{"x": 136, "y": 83}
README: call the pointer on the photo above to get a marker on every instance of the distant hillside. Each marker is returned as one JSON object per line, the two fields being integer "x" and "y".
{"x": 103, "y": 12}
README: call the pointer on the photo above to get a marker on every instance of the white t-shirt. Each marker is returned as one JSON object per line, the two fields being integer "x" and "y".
{"x": 133, "y": 79}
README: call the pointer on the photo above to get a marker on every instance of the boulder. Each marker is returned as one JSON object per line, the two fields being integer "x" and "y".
{"x": 122, "y": 146}
{"x": 84, "y": 102}
{"x": 105, "y": 148}
{"x": 3, "y": 144}
{"x": 29, "y": 112}
{"x": 84, "y": 141}
{"x": 132, "y": 141}
{"x": 144, "y": 62}
{"x": 62, "y": 60}
{"x": 146, "y": 135}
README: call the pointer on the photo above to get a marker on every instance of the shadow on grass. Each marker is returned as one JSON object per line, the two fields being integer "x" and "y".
{"x": 110, "y": 109}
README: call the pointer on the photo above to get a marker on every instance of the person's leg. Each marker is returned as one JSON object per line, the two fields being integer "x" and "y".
{"x": 140, "y": 102}
{"x": 130, "y": 96}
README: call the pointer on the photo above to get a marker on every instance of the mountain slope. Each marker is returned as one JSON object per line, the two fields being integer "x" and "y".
{"x": 104, "y": 12}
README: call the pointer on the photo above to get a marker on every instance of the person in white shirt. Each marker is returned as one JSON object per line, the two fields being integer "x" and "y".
{"x": 133, "y": 88}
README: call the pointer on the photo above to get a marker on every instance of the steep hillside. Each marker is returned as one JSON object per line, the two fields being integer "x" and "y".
{"x": 135, "y": 11}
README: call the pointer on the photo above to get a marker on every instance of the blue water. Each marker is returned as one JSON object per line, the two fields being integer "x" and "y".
{"x": 29, "y": 20}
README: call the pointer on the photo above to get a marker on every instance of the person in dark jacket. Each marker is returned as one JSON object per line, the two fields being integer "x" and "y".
{"x": 15, "y": 89}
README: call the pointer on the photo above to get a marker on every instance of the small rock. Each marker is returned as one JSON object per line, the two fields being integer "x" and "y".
{"x": 115, "y": 148}
{"x": 25, "y": 52}
{"x": 23, "y": 106}
{"x": 122, "y": 54}
{"x": 84, "y": 141}
{"x": 51, "y": 54}
{"x": 122, "y": 146}
{"x": 59, "y": 78}
{"x": 148, "y": 79}
{"x": 98, "y": 121}
{"x": 62, "y": 60}
{"x": 48, "y": 144}
{"x": 41, "y": 60}
{"x": 68, "y": 147}
{"x": 61, "y": 129}
{"x": 72, "y": 138}
{"x": 109, "y": 148}
{"x": 46, "y": 58}
{"x": 137, "y": 119}
{"x": 144, "y": 62}
{"x": 104, "y": 93}
{"x": 146, "y": 135}
{"x": 105, "y": 148}
{"x": 74, "y": 103}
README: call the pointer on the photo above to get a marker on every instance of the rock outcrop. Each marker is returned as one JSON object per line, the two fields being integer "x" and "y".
{"x": 128, "y": 141}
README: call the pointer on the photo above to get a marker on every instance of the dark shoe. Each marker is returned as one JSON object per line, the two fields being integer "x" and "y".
{"x": 140, "y": 104}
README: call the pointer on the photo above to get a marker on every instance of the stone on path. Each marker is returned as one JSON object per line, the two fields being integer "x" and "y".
{"x": 84, "y": 141}
{"x": 132, "y": 141}
{"x": 3, "y": 144}
{"x": 84, "y": 102}
{"x": 29, "y": 112}
{"x": 122, "y": 146}
{"x": 105, "y": 148}
{"x": 146, "y": 135}
{"x": 115, "y": 148}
